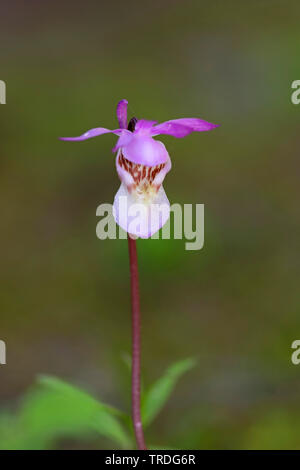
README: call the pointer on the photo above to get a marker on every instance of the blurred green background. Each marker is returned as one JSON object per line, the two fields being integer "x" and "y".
{"x": 233, "y": 305}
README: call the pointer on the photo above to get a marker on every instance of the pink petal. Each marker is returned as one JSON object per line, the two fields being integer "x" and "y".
{"x": 92, "y": 133}
{"x": 123, "y": 140}
{"x": 144, "y": 150}
{"x": 182, "y": 127}
{"x": 144, "y": 126}
{"x": 122, "y": 113}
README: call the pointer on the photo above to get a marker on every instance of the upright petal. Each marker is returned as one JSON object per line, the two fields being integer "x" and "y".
{"x": 182, "y": 127}
{"x": 122, "y": 113}
{"x": 92, "y": 133}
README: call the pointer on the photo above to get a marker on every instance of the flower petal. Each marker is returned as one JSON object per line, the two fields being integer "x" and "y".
{"x": 141, "y": 220}
{"x": 122, "y": 113}
{"x": 92, "y": 133}
{"x": 123, "y": 140}
{"x": 140, "y": 179}
{"x": 144, "y": 150}
{"x": 182, "y": 127}
{"x": 144, "y": 127}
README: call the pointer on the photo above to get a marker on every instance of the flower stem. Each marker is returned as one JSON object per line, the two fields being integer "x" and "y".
{"x": 136, "y": 346}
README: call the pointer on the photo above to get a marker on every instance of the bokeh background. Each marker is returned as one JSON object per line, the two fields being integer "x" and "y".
{"x": 234, "y": 305}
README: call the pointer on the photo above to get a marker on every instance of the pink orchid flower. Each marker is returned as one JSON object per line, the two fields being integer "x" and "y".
{"x": 142, "y": 164}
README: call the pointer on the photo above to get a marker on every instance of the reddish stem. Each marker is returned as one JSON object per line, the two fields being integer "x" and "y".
{"x": 136, "y": 346}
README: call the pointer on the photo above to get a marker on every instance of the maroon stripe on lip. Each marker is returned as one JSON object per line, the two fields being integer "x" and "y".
{"x": 140, "y": 172}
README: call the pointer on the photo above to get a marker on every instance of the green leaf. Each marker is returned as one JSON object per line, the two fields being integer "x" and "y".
{"x": 57, "y": 409}
{"x": 158, "y": 394}
{"x": 85, "y": 410}
{"x": 61, "y": 386}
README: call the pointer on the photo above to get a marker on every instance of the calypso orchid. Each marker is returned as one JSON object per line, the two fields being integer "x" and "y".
{"x": 142, "y": 164}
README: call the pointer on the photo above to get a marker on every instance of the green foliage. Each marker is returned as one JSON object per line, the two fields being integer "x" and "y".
{"x": 155, "y": 398}
{"x": 54, "y": 409}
